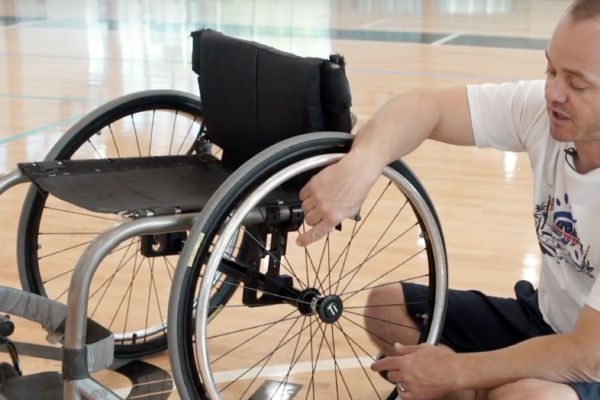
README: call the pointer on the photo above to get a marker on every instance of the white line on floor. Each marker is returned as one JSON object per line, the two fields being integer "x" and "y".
{"x": 446, "y": 39}
{"x": 372, "y": 24}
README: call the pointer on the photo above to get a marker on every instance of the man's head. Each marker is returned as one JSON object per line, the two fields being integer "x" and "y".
{"x": 573, "y": 74}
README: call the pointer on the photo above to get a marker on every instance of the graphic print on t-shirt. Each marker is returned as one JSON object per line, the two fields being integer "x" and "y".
{"x": 558, "y": 236}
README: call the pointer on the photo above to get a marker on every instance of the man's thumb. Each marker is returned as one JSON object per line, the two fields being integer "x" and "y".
{"x": 404, "y": 350}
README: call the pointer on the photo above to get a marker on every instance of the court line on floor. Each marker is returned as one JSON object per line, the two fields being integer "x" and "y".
{"x": 36, "y": 97}
{"x": 40, "y": 129}
{"x": 434, "y": 74}
{"x": 75, "y": 119}
{"x": 21, "y": 24}
{"x": 372, "y": 24}
{"x": 446, "y": 39}
{"x": 349, "y": 69}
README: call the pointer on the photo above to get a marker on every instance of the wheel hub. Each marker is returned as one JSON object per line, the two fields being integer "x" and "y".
{"x": 328, "y": 308}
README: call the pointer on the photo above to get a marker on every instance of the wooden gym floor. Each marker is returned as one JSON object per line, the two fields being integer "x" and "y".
{"x": 60, "y": 59}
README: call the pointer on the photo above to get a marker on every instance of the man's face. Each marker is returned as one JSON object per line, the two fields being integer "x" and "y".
{"x": 573, "y": 80}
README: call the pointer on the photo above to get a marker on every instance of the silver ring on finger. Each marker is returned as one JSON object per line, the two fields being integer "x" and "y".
{"x": 400, "y": 387}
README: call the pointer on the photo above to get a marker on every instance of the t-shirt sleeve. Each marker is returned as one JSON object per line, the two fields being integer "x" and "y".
{"x": 504, "y": 115}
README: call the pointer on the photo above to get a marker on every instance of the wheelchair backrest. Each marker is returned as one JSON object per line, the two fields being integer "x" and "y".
{"x": 254, "y": 96}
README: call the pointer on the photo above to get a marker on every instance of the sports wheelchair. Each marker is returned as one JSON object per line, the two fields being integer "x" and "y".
{"x": 227, "y": 210}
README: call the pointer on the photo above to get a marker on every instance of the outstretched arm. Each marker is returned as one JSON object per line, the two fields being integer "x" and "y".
{"x": 396, "y": 130}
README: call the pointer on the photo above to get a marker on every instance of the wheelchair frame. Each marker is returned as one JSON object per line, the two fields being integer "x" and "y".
{"x": 72, "y": 325}
{"x": 77, "y": 381}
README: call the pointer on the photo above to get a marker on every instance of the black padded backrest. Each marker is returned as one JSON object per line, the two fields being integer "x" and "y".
{"x": 254, "y": 96}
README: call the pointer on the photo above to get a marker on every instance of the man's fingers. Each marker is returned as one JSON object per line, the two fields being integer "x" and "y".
{"x": 314, "y": 234}
{"x": 309, "y": 204}
{"x": 312, "y": 218}
{"x": 394, "y": 376}
{"x": 305, "y": 192}
{"x": 385, "y": 364}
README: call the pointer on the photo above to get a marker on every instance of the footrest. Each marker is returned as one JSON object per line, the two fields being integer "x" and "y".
{"x": 141, "y": 186}
{"x": 99, "y": 341}
{"x": 42, "y": 386}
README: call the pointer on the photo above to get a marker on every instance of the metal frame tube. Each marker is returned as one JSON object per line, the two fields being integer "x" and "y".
{"x": 91, "y": 389}
{"x": 81, "y": 280}
{"x": 12, "y": 178}
{"x": 79, "y": 288}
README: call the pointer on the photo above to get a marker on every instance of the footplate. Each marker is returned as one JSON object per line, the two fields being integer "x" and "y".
{"x": 42, "y": 386}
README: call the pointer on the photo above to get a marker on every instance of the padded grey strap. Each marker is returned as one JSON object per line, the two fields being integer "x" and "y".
{"x": 52, "y": 315}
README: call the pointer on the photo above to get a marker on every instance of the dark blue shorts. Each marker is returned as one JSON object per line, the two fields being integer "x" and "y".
{"x": 476, "y": 322}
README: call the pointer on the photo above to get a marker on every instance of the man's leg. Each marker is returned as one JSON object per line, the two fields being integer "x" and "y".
{"x": 534, "y": 389}
{"x": 388, "y": 321}
{"x": 474, "y": 322}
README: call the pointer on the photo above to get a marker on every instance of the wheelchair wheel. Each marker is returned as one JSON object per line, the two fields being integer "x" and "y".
{"x": 53, "y": 234}
{"x": 296, "y": 323}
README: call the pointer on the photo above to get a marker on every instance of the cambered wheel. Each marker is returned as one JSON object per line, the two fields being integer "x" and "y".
{"x": 130, "y": 291}
{"x": 297, "y": 322}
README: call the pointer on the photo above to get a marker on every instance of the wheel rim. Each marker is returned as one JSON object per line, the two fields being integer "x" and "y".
{"x": 251, "y": 202}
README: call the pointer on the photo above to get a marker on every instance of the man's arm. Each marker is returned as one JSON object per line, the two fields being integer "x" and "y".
{"x": 396, "y": 130}
{"x": 406, "y": 121}
{"x": 562, "y": 358}
{"x": 432, "y": 371}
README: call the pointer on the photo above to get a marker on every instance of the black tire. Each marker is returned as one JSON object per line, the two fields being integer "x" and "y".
{"x": 70, "y": 142}
{"x": 241, "y": 184}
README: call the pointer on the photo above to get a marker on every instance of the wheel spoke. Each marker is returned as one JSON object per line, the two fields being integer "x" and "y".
{"x": 173, "y": 133}
{"x": 375, "y": 254}
{"x": 137, "y": 140}
{"x": 255, "y": 335}
{"x": 268, "y": 359}
{"x": 186, "y": 135}
{"x": 261, "y": 360}
{"x": 387, "y": 273}
{"x": 382, "y": 320}
{"x": 151, "y": 133}
{"x": 358, "y": 358}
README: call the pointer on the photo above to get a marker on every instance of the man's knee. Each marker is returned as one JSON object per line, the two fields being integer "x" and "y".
{"x": 533, "y": 389}
{"x": 386, "y": 317}
{"x": 385, "y": 303}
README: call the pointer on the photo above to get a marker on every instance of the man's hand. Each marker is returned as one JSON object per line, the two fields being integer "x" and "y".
{"x": 426, "y": 371}
{"x": 336, "y": 193}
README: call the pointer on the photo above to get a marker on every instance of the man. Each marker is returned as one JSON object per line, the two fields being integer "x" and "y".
{"x": 546, "y": 343}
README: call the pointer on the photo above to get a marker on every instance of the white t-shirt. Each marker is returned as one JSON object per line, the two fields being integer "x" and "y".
{"x": 566, "y": 205}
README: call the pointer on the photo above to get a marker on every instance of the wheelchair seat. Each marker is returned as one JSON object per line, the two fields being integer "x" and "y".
{"x": 253, "y": 96}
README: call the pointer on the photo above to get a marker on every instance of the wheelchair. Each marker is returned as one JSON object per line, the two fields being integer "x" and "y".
{"x": 227, "y": 210}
